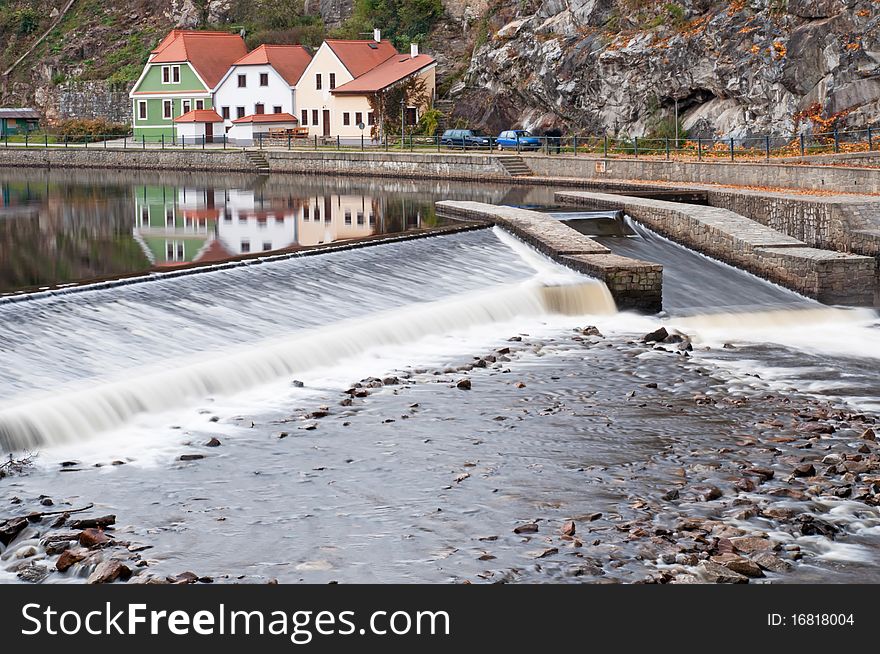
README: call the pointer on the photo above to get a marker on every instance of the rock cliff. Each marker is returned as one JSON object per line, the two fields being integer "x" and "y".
{"x": 732, "y": 68}
{"x": 729, "y": 68}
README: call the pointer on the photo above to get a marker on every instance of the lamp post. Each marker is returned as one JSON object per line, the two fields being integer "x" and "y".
{"x": 402, "y": 122}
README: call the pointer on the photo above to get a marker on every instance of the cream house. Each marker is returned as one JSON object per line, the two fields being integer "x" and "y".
{"x": 332, "y": 96}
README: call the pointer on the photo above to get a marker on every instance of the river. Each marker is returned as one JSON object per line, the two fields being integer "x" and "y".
{"x": 321, "y": 471}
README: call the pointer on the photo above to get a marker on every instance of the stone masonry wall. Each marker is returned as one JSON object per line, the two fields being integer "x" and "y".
{"x": 828, "y": 276}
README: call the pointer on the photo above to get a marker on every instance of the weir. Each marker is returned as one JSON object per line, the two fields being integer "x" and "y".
{"x": 634, "y": 284}
{"x": 825, "y": 275}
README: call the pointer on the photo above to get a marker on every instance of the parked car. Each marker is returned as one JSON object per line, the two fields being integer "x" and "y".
{"x": 518, "y": 139}
{"x": 464, "y": 138}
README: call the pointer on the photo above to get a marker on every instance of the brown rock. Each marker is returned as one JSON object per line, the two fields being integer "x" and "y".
{"x": 190, "y": 457}
{"x": 214, "y": 442}
{"x": 719, "y": 574}
{"x": 569, "y": 528}
{"x": 108, "y": 572}
{"x": 89, "y": 523}
{"x": 464, "y": 384}
{"x": 69, "y": 557}
{"x": 527, "y": 528}
{"x": 771, "y": 562}
{"x": 868, "y": 435}
{"x": 738, "y": 564}
{"x": 750, "y": 544}
{"x": 93, "y": 538}
{"x": 184, "y": 578}
{"x": 804, "y": 470}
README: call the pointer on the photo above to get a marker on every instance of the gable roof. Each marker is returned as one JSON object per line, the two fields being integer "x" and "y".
{"x": 20, "y": 112}
{"x": 360, "y": 56}
{"x": 200, "y": 116}
{"x": 267, "y": 118}
{"x": 209, "y": 53}
{"x": 385, "y": 74}
{"x": 290, "y": 61}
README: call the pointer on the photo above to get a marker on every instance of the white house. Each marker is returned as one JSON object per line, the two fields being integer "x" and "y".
{"x": 199, "y": 126}
{"x": 332, "y": 95}
{"x": 262, "y": 82}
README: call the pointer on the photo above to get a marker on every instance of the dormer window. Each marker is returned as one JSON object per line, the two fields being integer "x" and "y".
{"x": 171, "y": 74}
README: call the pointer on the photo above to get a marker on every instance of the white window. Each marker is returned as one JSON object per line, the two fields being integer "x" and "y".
{"x": 187, "y": 106}
{"x": 200, "y": 104}
{"x": 145, "y": 216}
{"x": 166, "y": 74}
{"x": 167, "y": 109}
{"x": 142, "y": 109}
{"x": 175, "y": 74}
{"x": 245, "y": 246}
{"x": 267, "y": 245}
{"x": 174, "y": 251}
{"x": 169, "y": 216}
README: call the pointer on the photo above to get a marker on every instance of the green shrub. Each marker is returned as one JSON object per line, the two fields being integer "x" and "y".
{"x": 429, "y": 122}
{"x": 78, "y": 130}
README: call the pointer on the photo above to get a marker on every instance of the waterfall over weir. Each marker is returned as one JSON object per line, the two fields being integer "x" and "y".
{"x": 78, "y": 414}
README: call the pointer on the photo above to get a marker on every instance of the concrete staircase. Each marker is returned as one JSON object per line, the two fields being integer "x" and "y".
{"x": 515, "y": 166}
{"x": 258, "y": 160}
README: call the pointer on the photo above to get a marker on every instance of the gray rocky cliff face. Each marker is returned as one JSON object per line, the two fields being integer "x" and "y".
{"x": 734, "y": 68}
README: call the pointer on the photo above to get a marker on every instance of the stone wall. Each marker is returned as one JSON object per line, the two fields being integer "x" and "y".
{"x": 92, "y": 99}
{"x": 634, "y": 284}
{"x": 838, "y": 179}
{"x": 132, "y": 158}
{"x": 474, "y": 167}
{"x": 828, "y": 276}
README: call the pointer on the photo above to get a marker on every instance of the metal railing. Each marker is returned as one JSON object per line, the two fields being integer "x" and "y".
{"x": 748, "y": 149}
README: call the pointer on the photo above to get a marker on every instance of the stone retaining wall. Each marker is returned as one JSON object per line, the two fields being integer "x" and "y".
{"x": 828, "y": 276}
{"x": 840, "y": 179}
{"x": 634, "y": 284}
{"x": 132, "y": 158}
{"x": 325, "y": 162}
{"x": 475, "y": 167}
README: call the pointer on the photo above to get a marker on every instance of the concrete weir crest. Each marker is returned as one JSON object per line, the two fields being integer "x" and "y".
{"x": 635, "y": 285}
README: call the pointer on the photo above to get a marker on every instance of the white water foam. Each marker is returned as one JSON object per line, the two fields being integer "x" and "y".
{"x": 79, "y": 414}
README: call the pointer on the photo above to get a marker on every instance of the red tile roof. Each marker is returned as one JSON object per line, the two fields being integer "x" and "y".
{"x": 210, "y": 53}
{"x": 360, "y": 56}
{"x": 385, "y": 74}
{"x": 289, "y": 60}
{"x": 200, "y": 116}
{"x": 267, "y": 118}
{"x": 213, "y": 252}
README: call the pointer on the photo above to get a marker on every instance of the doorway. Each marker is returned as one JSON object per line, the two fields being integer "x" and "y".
{"x": 326, "y": 118}
{"x": 209, "y": 132}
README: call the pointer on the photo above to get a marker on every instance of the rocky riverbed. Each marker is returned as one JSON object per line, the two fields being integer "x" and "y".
{"x": 570, "y": 458}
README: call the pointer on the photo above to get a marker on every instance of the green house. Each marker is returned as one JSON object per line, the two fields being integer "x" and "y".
{"x": 172, "y": 225}
{"x": 18, "y": 121}
{"x": 180, "y": 76}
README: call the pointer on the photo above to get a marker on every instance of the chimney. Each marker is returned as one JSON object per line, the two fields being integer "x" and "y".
{"x": 377, "y": 35}
{"x": 413, "y": 50}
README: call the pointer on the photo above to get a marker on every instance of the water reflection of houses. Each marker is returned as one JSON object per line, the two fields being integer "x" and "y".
{"x": 178, "y": 225}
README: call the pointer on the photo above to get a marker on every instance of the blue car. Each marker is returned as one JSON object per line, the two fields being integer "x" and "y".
{"x": 518, "y": 139}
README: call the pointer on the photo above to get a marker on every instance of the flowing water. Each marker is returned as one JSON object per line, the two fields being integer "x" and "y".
{"x": 135, "y": 375}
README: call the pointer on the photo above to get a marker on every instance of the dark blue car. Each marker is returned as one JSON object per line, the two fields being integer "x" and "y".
{"x": 518, "y": 139}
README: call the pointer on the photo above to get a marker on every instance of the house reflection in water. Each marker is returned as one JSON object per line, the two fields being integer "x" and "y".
{"x": 177, "y": 226}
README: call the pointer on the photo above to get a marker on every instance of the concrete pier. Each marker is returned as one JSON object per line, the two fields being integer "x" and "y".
{"x": 635, "y": 285}
{"x": 825, "y": 275}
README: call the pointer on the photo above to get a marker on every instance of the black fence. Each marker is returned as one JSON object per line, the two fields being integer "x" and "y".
{"x": 753, "y": 148}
